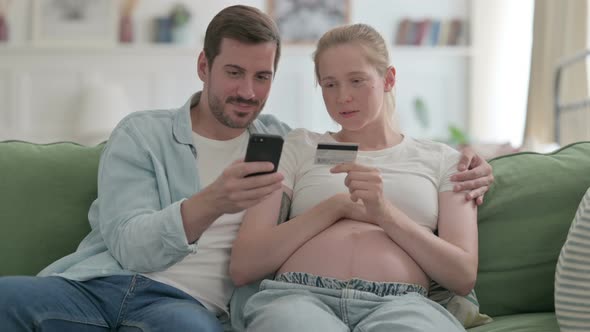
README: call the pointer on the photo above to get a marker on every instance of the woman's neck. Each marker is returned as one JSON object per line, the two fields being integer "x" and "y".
{"x": 377, "y": 137}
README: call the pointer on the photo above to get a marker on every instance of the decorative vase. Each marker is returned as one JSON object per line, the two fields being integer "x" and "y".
{"x": 181, "y": 35}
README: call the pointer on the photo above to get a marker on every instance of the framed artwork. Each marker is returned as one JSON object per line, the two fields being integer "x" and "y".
{"x": 304, "y": 21}
{"x": 74, "y": 22}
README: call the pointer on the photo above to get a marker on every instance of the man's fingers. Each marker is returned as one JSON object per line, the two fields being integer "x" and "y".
{"x": 466, "y": 156}
{"x": 259, "y": 181}
{"x": 478, "y": 172}
{"x": 472, "y": 184}
{"x": 477, "y": 193}
{"x": 479, "y": 201}
{"x": 464, "y": 176}
{"x": 233, "y": 184}
{"x": 241, "y": 169}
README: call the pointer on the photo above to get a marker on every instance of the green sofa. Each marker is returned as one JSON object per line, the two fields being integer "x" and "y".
{"x": 46, "y": 190}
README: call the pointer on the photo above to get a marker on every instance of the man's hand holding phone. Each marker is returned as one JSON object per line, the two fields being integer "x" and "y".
{"x": 246, "y": 183}
{"x": 234, "y": 191}
{"x": 231, "y": 192}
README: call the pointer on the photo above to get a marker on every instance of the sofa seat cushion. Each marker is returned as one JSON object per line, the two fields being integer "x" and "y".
{"x": 523, "y": 224}
{"x": 538, "y": 322}
{"x": 46, "y": 191}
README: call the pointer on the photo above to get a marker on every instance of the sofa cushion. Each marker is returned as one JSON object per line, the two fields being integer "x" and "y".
{"x": 538, "y": 322}
{"x": 46, "y": 191}
{"x": 523, "y": 224}
{"x": 464, "y": 308}
{"x": 572, "y": 278}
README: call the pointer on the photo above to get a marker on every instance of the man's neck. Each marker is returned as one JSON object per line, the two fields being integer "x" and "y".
{"x": 205, "y": 124}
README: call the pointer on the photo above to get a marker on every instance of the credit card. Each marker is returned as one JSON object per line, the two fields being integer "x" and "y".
{"x": 335, "y": 153}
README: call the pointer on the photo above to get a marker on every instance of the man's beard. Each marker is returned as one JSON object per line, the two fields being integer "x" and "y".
{"x": 217, "y": 106}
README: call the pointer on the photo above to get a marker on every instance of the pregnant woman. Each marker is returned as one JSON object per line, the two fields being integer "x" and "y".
{"x": 359, "y": 249}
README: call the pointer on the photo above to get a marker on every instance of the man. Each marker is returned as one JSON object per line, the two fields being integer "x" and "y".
{"x": 171, "y": 195}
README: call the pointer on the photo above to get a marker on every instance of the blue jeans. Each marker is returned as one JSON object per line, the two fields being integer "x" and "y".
{"x": 121, "y": 303}
{"x": 303, "y": 302}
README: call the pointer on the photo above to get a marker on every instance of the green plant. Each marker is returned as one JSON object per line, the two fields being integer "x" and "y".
{"x": 457, "y": 136}
{"x": 421, "y": 112}
{"x": 180, "y": 15}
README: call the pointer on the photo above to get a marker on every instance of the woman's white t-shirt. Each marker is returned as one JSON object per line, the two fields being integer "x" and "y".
{"x": 413, "y": 172}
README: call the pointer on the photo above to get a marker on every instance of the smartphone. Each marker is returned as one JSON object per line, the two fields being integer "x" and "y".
{"x": 264, "y": 147}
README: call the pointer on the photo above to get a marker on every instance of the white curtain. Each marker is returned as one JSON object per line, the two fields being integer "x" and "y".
{"x": 501, "y": 32}
{"x": 560, "y": 30}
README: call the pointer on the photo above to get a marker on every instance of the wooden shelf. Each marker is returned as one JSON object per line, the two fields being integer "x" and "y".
{"x": 452, "y": 51}
{"x": 132, "y": 50}
{"x": 147, "y": 49}
{"x": 182, "y": 50}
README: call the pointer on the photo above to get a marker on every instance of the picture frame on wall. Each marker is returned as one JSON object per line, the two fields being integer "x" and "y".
{"x": 305, "y": 21}
{"x": 90, "y": 23}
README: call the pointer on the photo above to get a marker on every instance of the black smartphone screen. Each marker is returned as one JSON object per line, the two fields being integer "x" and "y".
{"x": 264, "y": 147}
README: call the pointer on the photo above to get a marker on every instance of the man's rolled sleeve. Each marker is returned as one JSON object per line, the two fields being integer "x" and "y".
{"x": 142, "y": 229}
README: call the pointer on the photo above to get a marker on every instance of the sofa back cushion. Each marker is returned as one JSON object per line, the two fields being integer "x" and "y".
{"x": 45, "y": 194}
{"x": 523, "y": 224}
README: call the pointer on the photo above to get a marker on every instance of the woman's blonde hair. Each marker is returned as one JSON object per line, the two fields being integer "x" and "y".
{"x": 373, "y": 46}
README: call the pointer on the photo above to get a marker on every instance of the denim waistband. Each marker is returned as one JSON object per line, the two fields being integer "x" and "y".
{"x": 374, "y": 287}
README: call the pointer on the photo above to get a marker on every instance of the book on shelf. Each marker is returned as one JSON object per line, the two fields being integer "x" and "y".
{"x": 402, "y": 31}
{"x": 455, "y": 29}
{"x": 431, "y": 32}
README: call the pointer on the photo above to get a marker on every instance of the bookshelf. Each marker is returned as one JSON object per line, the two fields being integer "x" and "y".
{"x": 436, "y": 51}
{"x": 143, "y": 50}
{"x": 435, "y": 74}
{"x": 431, "y": 31}
{"x": 160, "y": 76}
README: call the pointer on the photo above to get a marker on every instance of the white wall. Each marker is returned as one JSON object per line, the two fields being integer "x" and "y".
{"x": 40, "y": 88}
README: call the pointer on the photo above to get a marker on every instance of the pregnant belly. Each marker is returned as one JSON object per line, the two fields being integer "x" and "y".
{"x": 352, "y": 249}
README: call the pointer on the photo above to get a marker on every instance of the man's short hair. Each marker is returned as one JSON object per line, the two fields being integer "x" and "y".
{"x": 242, "y": 23}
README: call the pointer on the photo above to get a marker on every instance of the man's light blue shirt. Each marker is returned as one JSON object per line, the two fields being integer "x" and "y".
{"x": 146, "y": 170}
